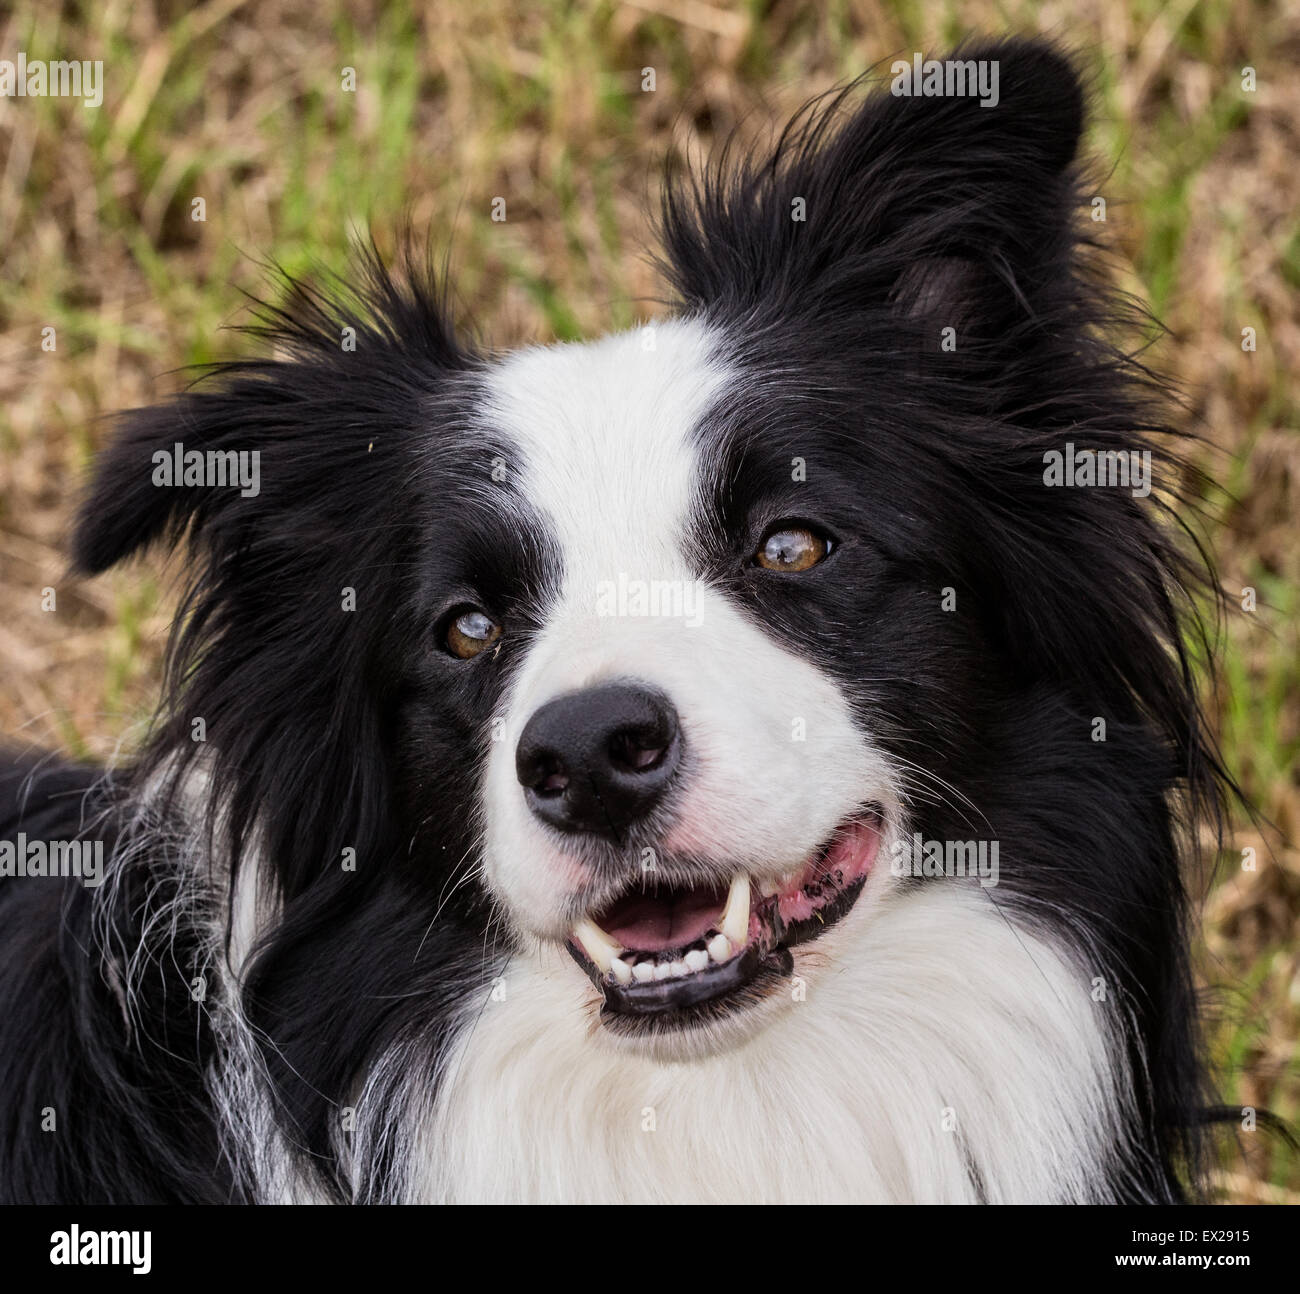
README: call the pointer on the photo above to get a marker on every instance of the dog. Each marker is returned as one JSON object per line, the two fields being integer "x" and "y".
{"x": 756, "y": 757}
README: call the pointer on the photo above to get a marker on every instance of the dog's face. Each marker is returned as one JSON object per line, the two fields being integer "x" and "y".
{"x": 657, "y": 642}
{"x": 683, "y": 639}
{"x": 675, "y": 786}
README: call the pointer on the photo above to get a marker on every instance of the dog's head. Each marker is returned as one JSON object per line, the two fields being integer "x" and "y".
{"x": 658, "y": 646}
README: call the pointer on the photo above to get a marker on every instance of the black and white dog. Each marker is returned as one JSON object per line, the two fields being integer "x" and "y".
{"x": 750, "y": 758}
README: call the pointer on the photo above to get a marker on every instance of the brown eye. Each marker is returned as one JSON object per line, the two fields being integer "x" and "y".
{"x": 791, "y": 548}
{"x": 470, "y": 633}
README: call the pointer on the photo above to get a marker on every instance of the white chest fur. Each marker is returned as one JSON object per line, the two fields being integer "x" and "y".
{"x": 942, "y": 1055}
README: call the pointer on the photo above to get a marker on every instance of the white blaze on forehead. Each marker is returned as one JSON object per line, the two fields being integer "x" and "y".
{"x": 610, "y": 455}
{"x": 604, "y": 433}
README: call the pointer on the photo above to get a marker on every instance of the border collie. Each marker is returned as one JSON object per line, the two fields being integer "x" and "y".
{"x": 749, "y": 758}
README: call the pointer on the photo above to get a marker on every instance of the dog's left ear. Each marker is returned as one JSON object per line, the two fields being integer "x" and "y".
{"x": 946, "y": 195}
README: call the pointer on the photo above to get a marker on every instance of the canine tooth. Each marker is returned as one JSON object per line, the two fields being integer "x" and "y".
{"x": 663, "y": 970}
{"x": 720, "y": 948}
{"x": 622, "y": 971}
{"x": 696, "y": 960}
{"x": 735, "y": 917}
{"x": 643, "y": 972}
{"x": 597, "y": 944}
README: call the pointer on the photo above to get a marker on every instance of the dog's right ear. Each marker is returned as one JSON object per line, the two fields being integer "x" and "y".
{"x": 138, "y": 494}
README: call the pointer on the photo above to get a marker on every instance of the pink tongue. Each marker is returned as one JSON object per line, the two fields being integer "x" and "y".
{"x": 651, "y": 922}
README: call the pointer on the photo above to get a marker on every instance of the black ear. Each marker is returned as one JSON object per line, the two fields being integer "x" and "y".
{"x": 256, "y": 441}
{"x": 918, "y": 199}
{"x": 136, "y": 495}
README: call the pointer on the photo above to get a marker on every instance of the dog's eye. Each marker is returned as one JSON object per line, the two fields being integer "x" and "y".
{"x": 791, "y": 547}
{"x": 470, "y": 633}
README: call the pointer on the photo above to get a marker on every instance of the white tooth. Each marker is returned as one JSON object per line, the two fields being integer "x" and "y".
{"x": 767, "y": 888}
{"x": 643, "y": 972}
{"x": 622, "y": 971}
{"x": 719, "y": 948}
{"x": 735, "y": 917}
{"x": 597, "y": 944}
{"x": 679, "y": 969}
{"x": 696, "y": 960}
{"x": 663, "y": 970}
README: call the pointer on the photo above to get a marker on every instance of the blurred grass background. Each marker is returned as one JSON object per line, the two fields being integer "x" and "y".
{"x": 243, "y": 106}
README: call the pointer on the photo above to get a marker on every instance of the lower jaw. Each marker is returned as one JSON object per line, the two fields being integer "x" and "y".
{"x": 760, "y": 979}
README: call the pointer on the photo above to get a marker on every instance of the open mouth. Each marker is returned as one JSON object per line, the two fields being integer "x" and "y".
{"x": 674, "y": 951}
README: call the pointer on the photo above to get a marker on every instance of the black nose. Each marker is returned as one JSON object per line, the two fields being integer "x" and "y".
{"x": 599, "y": 759}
